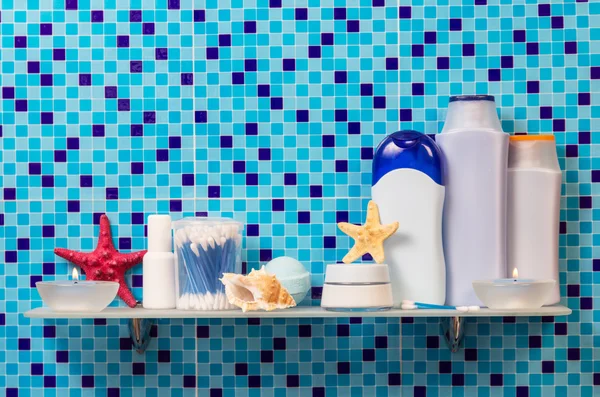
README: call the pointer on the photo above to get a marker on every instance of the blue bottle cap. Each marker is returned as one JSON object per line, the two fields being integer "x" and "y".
{"x": 408, "y": 149}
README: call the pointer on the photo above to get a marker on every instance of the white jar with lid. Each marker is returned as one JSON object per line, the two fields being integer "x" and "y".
{"x": 534, "y": 181}
{"x": 357, "y": 288}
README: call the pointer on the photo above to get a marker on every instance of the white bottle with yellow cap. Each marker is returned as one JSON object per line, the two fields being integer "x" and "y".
{"x": 533, "y": 209}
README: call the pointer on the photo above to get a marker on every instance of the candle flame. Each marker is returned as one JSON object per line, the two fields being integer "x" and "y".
{"x": 515, "y": 273}
{"x": 75, "y": 274}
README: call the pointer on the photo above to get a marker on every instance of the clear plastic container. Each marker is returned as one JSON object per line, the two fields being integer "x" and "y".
{"x": 205, "y": 248}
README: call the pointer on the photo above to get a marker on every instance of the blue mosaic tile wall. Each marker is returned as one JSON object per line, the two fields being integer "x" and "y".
{"x": 268, "y": 111}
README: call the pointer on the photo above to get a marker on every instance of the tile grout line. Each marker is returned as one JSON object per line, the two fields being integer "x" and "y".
{"x": 199, "y": 199}
{"x": 194, "y": 148}
{"x": 221, "y": 199}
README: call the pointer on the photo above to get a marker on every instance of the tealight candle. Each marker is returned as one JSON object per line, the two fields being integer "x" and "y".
{"x": 513, "y": 293}
{"x": 515, "y": 278}
{"x": 77, "y": 295}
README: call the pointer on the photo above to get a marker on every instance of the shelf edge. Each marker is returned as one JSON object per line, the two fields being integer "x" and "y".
{"x": 300, "y": 312}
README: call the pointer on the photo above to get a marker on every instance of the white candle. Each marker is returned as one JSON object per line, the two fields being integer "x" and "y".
{"x": 514, "y": 280}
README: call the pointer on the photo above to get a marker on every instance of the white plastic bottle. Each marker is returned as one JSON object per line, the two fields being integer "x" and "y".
{"x": 159, "y": 265}
{"x": 408, "y": 187}
{"x": 534, "y": 180}
{"x": 475, "y": 150}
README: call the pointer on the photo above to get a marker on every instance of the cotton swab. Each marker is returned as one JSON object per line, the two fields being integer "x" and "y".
{"x": 415, "y": 307}
{"x": 412, "y": 305}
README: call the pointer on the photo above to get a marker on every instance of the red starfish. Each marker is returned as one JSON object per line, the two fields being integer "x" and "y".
{"x": 105, "y": 262}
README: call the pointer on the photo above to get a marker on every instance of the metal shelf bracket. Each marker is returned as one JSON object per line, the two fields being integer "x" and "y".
{"x": 139, "y": 332}
{"x": 453, "y": 329}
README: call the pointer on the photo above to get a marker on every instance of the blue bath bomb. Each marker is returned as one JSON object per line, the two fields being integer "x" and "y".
{"x": 292, "y": 275}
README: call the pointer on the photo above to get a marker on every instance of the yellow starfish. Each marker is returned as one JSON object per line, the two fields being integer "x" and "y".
{"x": 368, "y": 238}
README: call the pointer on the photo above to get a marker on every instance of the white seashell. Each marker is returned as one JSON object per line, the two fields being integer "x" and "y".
{"x": 257, "y": 290}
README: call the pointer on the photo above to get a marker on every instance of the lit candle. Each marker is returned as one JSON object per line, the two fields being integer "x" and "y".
{"x": 513, "y": 293}
{"x": 514, "y": 279}
{"x": 77, "y": 295}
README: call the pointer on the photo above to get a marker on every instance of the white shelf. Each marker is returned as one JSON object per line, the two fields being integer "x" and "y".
{"x": 297, "y": 312}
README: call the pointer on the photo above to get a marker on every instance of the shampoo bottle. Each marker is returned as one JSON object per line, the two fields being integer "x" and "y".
{"x": 475, "y": 150}
{"x": 408, "y": 188}
{"x": 159, "y": 265}
{"x": 534, "y": 180}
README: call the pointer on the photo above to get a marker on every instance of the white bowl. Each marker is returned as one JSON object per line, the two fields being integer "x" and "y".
{"x": 81, "y": 296}
{"x": 508, "y": 294}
